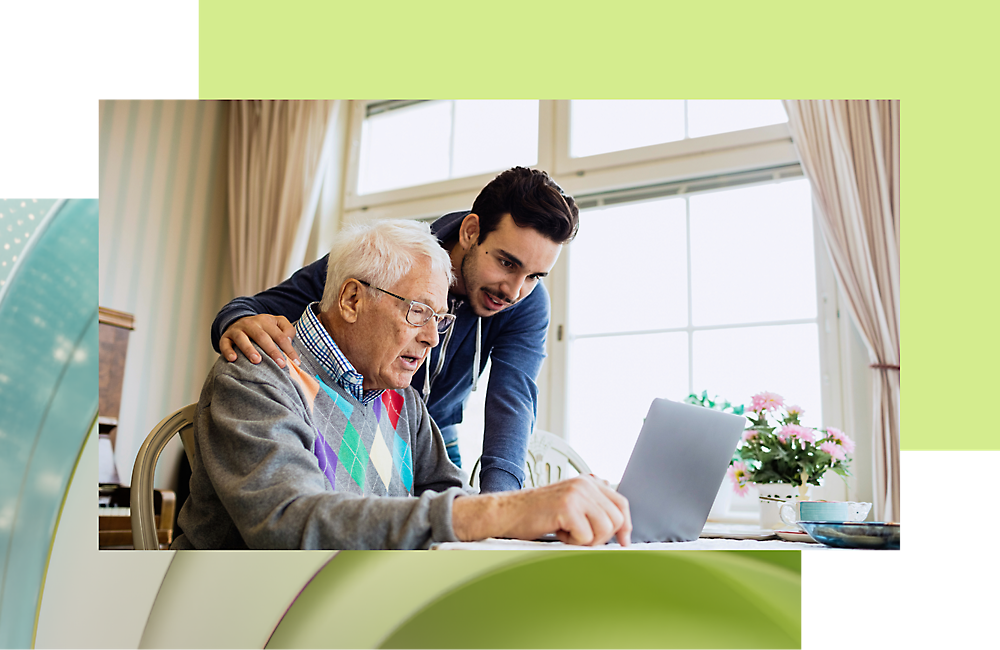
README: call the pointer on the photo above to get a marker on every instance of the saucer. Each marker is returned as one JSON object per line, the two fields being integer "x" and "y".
{"x": 794, "y": 536}
{"x": 854, "y": 534}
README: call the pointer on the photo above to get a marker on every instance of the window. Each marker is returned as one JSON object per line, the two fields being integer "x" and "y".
{"x": 695, "y": 267}
{"x": 601, "y": 126}
{"x": 404, "y": 144}
{"x": 709, "y": 291}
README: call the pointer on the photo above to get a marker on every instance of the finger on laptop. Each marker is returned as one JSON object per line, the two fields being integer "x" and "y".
{"x": 619, "y": 515}
{"x": 606, "y": 511}
{"x": 623, "y": 528}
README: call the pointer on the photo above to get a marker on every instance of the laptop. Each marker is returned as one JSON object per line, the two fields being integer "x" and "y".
{"x": 676, "y": 468}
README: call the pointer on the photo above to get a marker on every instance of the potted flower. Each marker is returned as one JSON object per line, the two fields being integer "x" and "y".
{"x": 778, "y": 452}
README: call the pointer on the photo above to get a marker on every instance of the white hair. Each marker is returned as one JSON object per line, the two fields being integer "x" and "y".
{"x": 381, "y": 253}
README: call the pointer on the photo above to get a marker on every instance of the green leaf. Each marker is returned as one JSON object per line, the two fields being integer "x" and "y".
{"x": 842, "y": 470}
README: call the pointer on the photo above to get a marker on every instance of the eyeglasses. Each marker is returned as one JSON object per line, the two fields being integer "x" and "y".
{"x": 419, "y": 314}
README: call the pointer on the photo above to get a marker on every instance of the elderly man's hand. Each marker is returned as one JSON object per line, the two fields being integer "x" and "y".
{"x": 272, "y": 333}
{"x": 582, "y": 510}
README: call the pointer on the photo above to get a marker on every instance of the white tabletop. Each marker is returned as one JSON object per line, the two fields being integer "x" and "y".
{"x": 715, "y": 536}
{"x": 697, "y": 545}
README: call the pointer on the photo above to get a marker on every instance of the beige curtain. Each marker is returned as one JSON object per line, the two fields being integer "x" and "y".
{"x": 279, "y": 152}
{"x": 850, "y": 152}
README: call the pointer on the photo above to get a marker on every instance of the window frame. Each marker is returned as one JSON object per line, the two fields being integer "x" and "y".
{"x": 566, "y": 164}
{"x": 418, "y": 195}
{"x": 689, "y": 160}
{"x": 829, "y": 330}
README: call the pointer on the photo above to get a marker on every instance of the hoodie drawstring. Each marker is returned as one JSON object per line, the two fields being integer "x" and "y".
{"x": 475, "y": 364}
{"x": 428, "y": 379}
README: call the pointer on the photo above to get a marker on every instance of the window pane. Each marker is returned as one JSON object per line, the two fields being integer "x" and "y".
{"x": 752, "y": 256}
{"x": 711, "y": 116}
{"x": 404, "y": 147}
{"x": 493, "y": 135}
{"x": 739, "y": 362}
{"x": 628, "y": 268}
{"x": 612, "y": 381}
{"x": 599, "y": 125}
{"x": 437, "y": 140}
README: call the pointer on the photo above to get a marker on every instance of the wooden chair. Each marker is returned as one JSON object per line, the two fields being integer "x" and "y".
{"x": 549, "y": 459}
{"x": 144, "y": 536}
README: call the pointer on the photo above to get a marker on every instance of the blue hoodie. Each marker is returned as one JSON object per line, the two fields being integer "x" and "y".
{"x": 513, "y": 338}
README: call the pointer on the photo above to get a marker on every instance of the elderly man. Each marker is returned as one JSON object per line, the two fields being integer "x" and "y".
{"x": 500, "y": 251}
{"x": 338, "y": 451}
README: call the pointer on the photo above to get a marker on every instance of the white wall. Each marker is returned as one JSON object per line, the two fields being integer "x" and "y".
{"x": 163, "y": 254}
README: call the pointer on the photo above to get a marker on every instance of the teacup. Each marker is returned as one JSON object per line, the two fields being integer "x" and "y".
{"x": 839, "y": 511}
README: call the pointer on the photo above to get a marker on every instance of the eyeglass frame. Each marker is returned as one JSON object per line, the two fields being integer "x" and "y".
{"x": 447, "y": 318}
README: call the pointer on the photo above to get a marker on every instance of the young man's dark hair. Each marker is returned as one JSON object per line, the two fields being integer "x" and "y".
{"x": 533, "y": 200}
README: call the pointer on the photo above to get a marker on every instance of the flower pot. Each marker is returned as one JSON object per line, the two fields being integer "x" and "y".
{"x": 774, "y": 495}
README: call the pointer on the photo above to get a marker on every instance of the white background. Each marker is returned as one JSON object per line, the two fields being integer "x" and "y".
{"x": 57, "y": 59}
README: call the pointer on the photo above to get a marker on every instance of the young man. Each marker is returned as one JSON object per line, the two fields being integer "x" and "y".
{"x": 499, "y": 252}
{"x": 304, "y": 456}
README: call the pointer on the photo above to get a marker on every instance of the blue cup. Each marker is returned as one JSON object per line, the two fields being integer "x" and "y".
{"x": 838, "y": 511}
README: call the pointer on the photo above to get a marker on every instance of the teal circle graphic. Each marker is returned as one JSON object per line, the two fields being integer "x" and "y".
{"x": 48, "y": 399}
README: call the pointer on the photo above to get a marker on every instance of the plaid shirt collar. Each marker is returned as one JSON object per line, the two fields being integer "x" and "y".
{"x": 318, "y": 341}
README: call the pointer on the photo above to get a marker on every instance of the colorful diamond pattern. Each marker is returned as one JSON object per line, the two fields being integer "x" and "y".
{"x": 393, "y": 406}
{"x": 353, "y": 455}
{"x": 338, "y": 399}
{"x": 402, "y": 458}
{"x": 381, "y": 458}
{"x": 327, "y": 459}
{"x": 309, "y": 387}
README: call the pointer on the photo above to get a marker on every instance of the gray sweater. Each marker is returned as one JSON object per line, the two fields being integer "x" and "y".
{"x": 285, "y": 458}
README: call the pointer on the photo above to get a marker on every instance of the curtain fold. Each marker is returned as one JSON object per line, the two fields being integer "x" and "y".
{"x": 279, "y": 152}
{"x": 850, "y": 153}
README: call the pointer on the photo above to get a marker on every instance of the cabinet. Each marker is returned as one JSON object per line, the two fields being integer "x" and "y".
{"x": 114, "y": 328}
{"x": 114, "y": 525}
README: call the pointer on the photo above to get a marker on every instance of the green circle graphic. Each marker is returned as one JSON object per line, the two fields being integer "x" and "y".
{"x": 620, "y": 599}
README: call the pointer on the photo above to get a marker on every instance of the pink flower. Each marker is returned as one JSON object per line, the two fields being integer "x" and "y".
{"x": 833, "y": 449}
{"x": 795, "y": 410}
{"x": 738, "y": 475}
{"x": 749, "y": 434}
{"x": 841, "y": 438}
{"x": 805, "y": 434}
{"x": 766, "y": 401}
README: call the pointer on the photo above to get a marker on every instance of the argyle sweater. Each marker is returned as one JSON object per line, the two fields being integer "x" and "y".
{"x": 514, "y": 339}
{"x": 285, "y": 458}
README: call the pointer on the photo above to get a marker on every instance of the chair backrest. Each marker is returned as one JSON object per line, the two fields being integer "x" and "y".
{"x": 550, "y": 457}
{"x": 141, "y": 501}
{"x": 548, "y": 460}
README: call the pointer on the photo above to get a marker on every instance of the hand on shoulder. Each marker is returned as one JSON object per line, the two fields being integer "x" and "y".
{"x": 273, "y": 334}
